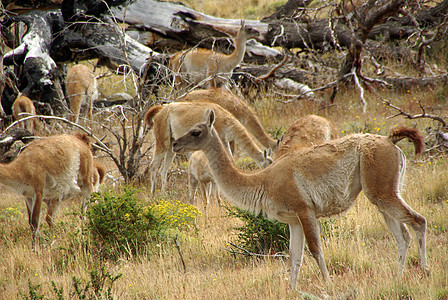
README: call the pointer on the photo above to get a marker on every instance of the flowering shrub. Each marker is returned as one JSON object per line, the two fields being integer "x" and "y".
{"x": 178, "y": 215}
{"x": 125, "y": 223}
{"x": 11, "y": 212}
{"x": 119, "y": 223}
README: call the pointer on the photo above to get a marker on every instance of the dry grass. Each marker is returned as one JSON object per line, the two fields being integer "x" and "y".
{"x": 359, "y": 250}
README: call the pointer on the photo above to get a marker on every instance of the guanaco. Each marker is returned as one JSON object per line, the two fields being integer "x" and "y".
{"x": 55, "y": 167}
{"x": 321, "y": 181}
{"x": 237, "y": 107}
{"x": 196, "y": 65}
{"x": 173, "y": 120}
{"x": 24, "y": 107}
{"x": 82, "y": 91}
{"x": 306, "y": 132}
{"x": 200, "y": 175}
{"x": 99, "y": 172}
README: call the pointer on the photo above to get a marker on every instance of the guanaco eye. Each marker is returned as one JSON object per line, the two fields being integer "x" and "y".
{"x": 196, "y": 133}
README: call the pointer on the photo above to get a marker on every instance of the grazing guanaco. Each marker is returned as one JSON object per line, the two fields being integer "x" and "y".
{"x": 24, "y": 107}
{"x": 199, "y": 64}
{"x": 306, "y": 132}
{"x": 200, "y": 174}
{"x": 173, "y": 120}
{"x": 55, "y": 167}
{"x": 82, "y": 90}
{"x": 237, "y": 107}
{"x": 319, "y": 182}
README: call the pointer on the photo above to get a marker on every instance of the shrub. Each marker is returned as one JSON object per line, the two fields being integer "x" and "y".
{"x": 124, "y": 223}
{"x": 175, "y": 215}
{"x": 99, "y": 286}
{"x": 258, "y": 234}
{"x": 119, "y": 223}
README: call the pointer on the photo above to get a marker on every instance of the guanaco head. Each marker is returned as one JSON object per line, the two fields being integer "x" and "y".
{"x": 245, "y": 33}
{"x": 198, "y": 137}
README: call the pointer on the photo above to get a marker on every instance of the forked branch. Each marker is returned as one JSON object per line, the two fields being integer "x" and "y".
{"x": 401, "y": 112}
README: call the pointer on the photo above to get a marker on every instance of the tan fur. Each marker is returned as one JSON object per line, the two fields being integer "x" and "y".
{"x": 174, "y": 119}
{"x": 55, "y": 167}
{"x": 200, "y": 64}
{"x": 318, "y": 182}
{"x": 98, "y": 174}
{"x": 237, "y": 107}
{"x": 23, "y": 107}
{"x": 200, "y": 174}
{"x": 82, "y": 90}
{"x": 306, "y": 132}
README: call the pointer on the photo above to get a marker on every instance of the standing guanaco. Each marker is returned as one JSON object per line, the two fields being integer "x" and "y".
{"x": 82, "y": 90}
{"x": 200, "y": 64}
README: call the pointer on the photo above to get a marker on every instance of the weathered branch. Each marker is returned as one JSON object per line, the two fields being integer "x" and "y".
{"x": 240, "y": 250}
{"x": 419, "y": 116}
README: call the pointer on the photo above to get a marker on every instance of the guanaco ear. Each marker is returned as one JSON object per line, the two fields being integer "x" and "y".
{"x": 267, "y": 153}
{"x": 280, "y": 140}
{"x": 209, "y": 117}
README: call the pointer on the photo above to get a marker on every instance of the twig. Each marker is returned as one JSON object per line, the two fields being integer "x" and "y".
{"x": 272, "y": 71}
{"x": 180, "y": 253}
{"x": 361, "y": 90}
{"x": 409, "y": 116}
{"x": 328, "y": 85}
{"x": 248, "y": 253}
{"x": 101, "y": 146}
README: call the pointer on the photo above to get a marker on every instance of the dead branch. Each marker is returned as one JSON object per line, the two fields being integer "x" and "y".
{"x": 180, "y": 254}
{"x": 100, "y": 145}
{"x": 419, "y": 116}
{"x": 272, "y": 71}
{"x": 235, "y": 249}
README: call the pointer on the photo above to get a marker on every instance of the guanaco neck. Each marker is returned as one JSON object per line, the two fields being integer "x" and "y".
{"x": 245, "y": 190}
{"x": 261, "y": 135}
{"x": 10, "y": 175}
{"x": 240, "y": 48}
{"x": 244, "y": 140}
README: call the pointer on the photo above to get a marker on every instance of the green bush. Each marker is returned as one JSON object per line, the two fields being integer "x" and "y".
{"x": 260, "y": 235}
{"x": 121, "y": 223}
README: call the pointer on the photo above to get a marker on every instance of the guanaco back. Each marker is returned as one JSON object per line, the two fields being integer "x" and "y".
{"x": 82, "y": 90}
{"x": 24, "y": 107}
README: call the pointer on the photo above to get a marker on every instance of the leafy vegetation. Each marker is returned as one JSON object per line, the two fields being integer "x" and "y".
{"x": 259, "y": 234}
{"x": 119, "y": 223}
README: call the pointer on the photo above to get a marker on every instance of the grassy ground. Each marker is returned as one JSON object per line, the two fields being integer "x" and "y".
{"x": 359, "y": 250}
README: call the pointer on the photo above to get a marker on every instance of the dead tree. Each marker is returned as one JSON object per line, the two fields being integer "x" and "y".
{"x": 86, "y": 29}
